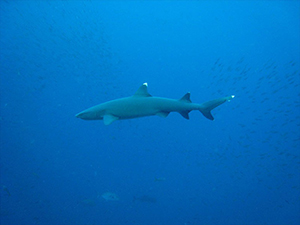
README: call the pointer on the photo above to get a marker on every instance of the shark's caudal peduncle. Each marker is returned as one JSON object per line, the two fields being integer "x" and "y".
{"x": 143, "y": 104}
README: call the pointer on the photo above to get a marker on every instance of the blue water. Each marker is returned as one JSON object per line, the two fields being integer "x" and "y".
{"x": 59, "y": 58}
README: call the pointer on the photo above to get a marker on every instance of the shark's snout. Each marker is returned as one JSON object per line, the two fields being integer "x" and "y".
{"x": 89, "y": 115}
{"x": 78, "y": 115}
{"x": 84, "y": 115}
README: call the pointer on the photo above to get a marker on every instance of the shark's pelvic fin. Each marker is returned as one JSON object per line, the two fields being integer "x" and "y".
{"x": 142, "y": 91}
{"x": 186, "y": 97}
{"x": 108, "y": 119}
{"x": 163, "y": 114}
{"x": 206, "y": 107}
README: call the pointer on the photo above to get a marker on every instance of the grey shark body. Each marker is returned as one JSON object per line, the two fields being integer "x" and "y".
{"x": 142, "y": 104}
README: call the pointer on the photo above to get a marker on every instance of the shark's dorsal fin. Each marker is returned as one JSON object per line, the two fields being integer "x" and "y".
{"x": 186, "y": 97}
{"x": 142, "y": 91}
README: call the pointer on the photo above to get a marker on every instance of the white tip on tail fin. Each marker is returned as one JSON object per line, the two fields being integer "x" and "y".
{"x": 230, "y": 97}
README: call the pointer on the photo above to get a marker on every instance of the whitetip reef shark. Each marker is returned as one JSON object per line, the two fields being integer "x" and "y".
{"x": 143, "y": 104}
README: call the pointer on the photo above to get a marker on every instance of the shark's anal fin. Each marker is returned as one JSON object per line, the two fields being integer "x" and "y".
{"x": 163, "y": 114}
{"x": 142, "y": 91}
{"x": 108, "y": 119}
{"x": 185, "y": 114}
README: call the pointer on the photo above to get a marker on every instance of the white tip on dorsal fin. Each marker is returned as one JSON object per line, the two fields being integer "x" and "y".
{"x": 186, "y": 97}
{"x": 142, "y": 91}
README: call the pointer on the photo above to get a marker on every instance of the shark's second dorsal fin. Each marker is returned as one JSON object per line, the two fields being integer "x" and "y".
{"x": 186, "y": 97}
{"x": 142, "y": 91}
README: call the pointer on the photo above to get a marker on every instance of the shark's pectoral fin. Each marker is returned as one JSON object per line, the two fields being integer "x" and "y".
{"x": 163, "y": 114}
{"x": 185, "y": 114}
{"x": 108, "y": 119}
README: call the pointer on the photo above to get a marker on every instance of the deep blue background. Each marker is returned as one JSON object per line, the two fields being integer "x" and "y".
{"x": 59, "y": 58}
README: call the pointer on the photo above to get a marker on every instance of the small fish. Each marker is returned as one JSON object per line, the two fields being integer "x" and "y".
{"x": 4, "y": 188}
{"x": 159, "y": 179}
{"x": 88, "y": 201}
{"x": 144, "y": 198}
{"x": 109, "y": 196}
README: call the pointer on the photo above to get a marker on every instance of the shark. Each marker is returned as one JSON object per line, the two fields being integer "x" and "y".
{"x": 143, "y": 104}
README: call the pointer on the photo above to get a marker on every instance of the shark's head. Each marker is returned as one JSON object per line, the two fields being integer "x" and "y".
{"x": 89, "y": 115}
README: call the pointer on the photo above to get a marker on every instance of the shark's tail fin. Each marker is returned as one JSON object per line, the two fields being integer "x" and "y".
{"x": 206, "y": 107}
